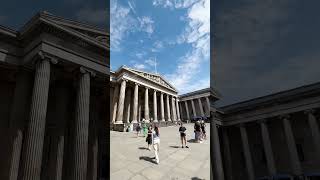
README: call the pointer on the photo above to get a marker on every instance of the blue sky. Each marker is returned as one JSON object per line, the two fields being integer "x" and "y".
{"x": 15, "y": 13}
{"x": 174, "y": 34}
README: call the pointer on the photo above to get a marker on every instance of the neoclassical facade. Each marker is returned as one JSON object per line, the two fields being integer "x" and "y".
{"x": 272, "y": 136}
{"x": 137, "y": 95}
{"x": 54, "y": 78}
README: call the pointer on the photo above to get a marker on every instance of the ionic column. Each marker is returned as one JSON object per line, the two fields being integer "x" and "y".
{"x": 216, "y": 151}
{"x": 227, "y": 154}
{"x": 294, "y": 158}
{"x": 178, "y": 110}
{"x": 168, "y": 109}
{"x": 33, "y": 145}
{"x": 187, "y": 110}
{"x": 121, "y": 102}
{"x": 135, "y": 103}
{"x": 247, "y": 153}
{"x": 139, "y": 108}
{"x": 18, "y": 113}
{"x": 193, "y": 108}
{"x": 208, "y": 105}
{"x": 162, "y": 106}
{"x": 59, "y": 159}
{"x": 314, "y": 130}
{"x": 115, "y": 104}
{"x": 80, "y": 153}
{"x": 128, "y": 105}
{"x": 174, "y": 116}
{"x": 200, "y": 107}
{"x": 267, "y": 147}
{"x": 155, "y": 115}
{"x": 146, "y": 105}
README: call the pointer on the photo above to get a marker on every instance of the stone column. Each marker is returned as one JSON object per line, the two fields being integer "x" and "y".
{"x": 314, "y": 131}
{"x": 267, "y": 147}
{"x": 200, "y": 107}
{"x": 247, "y": 153}
{"x": 208, "y": 105}
{"x": 178, "y": 110}
{"x": 121, "y": 102}
{"x": 146, "y": 105}
{"x": 168, "y": 109}
{"x": 155, "y": 115}
{"x": 174, "y": 116}
{"x": 216, "y": 151}
{"x": 294, "y": 158}
{"x": 135, "y": 103}
{"x": 139, "y": 108}
{"x": 33, "y": 145}
{"x": 162, "y": 106}
{"x": 115, "y": 104}
{"x": 128, "y": 106}
{"x": 80, "y": 153}
{"x": 59, "y": 159}
{"x": 187, "y": 110}
{"x": 18, "y": 115}
{"x": 193, "y": 108}
{"x": 227, "y": 154}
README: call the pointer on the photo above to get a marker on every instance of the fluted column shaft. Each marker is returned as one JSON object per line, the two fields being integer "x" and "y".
{"x": 267, "y": 148}
{"x": 247, "y": 153}
{"x": 208, "y": 105}
{"x": 200, "y": 107}
{"x": 17, "y": 119}
{"x": 59, "y": 158}
{"x": 155, "y": 113}
{"x": 31, "y": 165}
{"x": 135, "y": 103}
{"x": 193, "y": 108}
{"x": 80, "y": 154}
{"x": 178, "y": 110}
{"x": 115, "y": 103}
{"x": 146, "y": 105}
{"x": 128, "y": 106}
{"x": 121, "y": 102}
{"x": 168, "y": 109}
{"x": 216, "y": 151}
{"x": 187, "y": 110}
{"x": 174, "y": 115}
{"x": 314, "y": 131}
{"x": 227, "y": 154}
{"x": 162, "y": 107}
{"x": 294, "y": 158}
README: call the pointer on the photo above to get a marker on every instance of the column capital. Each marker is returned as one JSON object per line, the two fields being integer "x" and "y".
{"x": 41, "y": 56}
{"x": 84, "y": 70}
{"x": 241, "y": 125}
{"x": 260, "y": 121}
{"x": 309, "y": 111}
{"x": 137, "y": 84}
{"x": 146, "y": 87}
{"x": 284, "y": 116}
{"x": 124, "y": 79}
{"x": 154, "y": 90}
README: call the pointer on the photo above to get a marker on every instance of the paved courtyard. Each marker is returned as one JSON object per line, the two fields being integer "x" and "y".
{"x": 129, "y": 158}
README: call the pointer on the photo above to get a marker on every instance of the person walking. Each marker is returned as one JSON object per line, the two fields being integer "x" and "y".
{"x": 138, "y": 129}
{"x": 149, "y": 137}
{"x": 156, "y": 142}
{"x": 182, "y": 130}
{"x": 197, "y": 131}
{"x": 203, "y": 129}
{"x": 144, "y": 128}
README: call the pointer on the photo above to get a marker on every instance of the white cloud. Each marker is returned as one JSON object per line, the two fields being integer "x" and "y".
{"x": 157, "y": 46}
{"x": 197, "y": 34}
{"x": 122, "y": 22}
{"x": 139, "y": 66}
{"x": 151, "y": 62}
{"x": 93, "y": 15}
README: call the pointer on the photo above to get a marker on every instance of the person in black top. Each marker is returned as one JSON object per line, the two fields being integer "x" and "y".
{"x": 138, "y": 129}
{"x": 182, "y": 131}
{"x": 203, "y": 129}
{"x": 149, "y": 137}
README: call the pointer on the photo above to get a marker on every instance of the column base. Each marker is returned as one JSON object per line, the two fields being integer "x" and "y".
{"x": 119, "y": 127}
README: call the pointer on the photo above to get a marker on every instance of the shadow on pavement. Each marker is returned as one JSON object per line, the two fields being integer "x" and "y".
{"x": 196, "y": 178}
{"x": 143, "y": 148}
{"x": 192, "y": 141}
{"x": 175, "y": 146}
{"x": 146, "y": 158}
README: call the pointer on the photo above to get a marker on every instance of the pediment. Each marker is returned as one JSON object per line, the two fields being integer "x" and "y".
{"x": 156, "y": 78}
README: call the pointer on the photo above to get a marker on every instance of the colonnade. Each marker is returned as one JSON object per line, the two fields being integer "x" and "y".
{"x": 202, "y": 110}
{"x": 121, "y": 103}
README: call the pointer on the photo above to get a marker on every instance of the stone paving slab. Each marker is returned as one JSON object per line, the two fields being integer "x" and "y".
{"x": 131, "y": 160}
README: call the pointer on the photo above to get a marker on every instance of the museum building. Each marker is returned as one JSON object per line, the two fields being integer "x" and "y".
{"x": 54, "y": 90}
{"x": 137, "y": 95}
{"x": 274, "y": 136}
